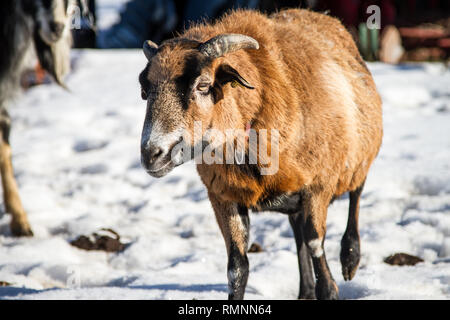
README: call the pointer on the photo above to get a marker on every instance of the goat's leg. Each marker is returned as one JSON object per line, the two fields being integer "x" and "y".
{"x": 304, "y": 259}
{"x": 314, "y": 229}
{"x": 234, "y": 223}
{"x": 13, "y": 205}
{"x": 350, "y": 245}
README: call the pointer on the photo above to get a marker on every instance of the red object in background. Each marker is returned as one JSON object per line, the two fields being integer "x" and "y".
{"x": 40, "y": 74}
{"x": 424, "y": 26}
{"x": 425, "y": 37}
{"x": 412, "y": 5}
{"x": 444, "y": 43}
{"x": 388, "y": 12}
{"x": 346, "y": 10}
{"x": 422, "y": 33}
{"x": 34, "y": 77}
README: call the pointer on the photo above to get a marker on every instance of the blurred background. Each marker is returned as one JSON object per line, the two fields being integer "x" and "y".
{"x": 410, "y": 30}
{"x": 421, "y": 27}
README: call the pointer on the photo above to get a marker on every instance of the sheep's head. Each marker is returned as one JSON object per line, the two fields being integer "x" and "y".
{"x": 51, "y": 21}
{"x": 52, "y": 17}
{"x": 181, "y": 83}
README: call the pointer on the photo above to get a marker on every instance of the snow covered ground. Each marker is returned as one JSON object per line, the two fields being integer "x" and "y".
{"x": 76, "y": 156}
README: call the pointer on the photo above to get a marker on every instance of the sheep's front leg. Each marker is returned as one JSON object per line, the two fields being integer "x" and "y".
{"x": 307, "y": 290}
{"x": 234, "y": 223}
{"x": 315, "y": 207}
{"x": 13, "y": 205}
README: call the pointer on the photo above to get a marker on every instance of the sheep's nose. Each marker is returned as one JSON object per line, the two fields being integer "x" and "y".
{"x": 56, "y": 28}
{"x": 150, "y": 153}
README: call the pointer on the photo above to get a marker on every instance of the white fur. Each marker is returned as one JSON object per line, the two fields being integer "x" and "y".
{"x": 236, "y": 221}
{"x": 154, "y": 134}
{"x": 61, "y": 47}
{"x": 340, "y": 91}
{"x": 233, "y": 275}
{"x": 315, "y": 246}
{"x": 57, "y": 13}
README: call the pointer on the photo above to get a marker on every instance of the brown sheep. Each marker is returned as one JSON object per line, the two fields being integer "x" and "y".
{"x": 296, "y": 72}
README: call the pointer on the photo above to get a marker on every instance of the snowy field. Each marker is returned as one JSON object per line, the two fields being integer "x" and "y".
{"x": 77, "y": 163}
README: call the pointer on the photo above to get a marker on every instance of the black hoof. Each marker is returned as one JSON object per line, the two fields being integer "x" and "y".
{"x": 18, "y": 230}
{"x": 350, "y": 256}
{"x": 307, "y": 295}
{"x": 235, "y": 297}
{"x": 327, "y": 290}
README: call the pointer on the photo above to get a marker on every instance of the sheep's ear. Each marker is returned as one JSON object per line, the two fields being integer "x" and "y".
{"x": 225, "y": 73}
{"x": 150, "y": 48}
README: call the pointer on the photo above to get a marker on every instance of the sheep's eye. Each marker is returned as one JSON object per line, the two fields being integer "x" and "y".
{"x": 203, "y": 87}
{"x": 143, "y": 94}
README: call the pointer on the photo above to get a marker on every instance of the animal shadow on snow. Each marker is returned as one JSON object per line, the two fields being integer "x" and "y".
{"x": 11, "y": 291}
{"x": 221, "y": 287}
{"x": 196, "y": 195}
{"x": 350, "y": 291}
{"x": 217, "y": 287}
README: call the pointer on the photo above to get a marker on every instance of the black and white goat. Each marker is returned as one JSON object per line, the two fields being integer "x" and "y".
{"x": 42, "y": 26}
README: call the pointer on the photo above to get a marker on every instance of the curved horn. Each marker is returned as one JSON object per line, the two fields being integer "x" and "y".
{"x": 226, "y": 43}
{"x": 150, "y": 49}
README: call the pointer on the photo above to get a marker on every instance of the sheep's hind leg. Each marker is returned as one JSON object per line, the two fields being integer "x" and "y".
{"x": 304, "y": 259}
{"x": 19, "y": 223}
{"x": 350, "y": 244}
{"x": 234, "y": 223}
